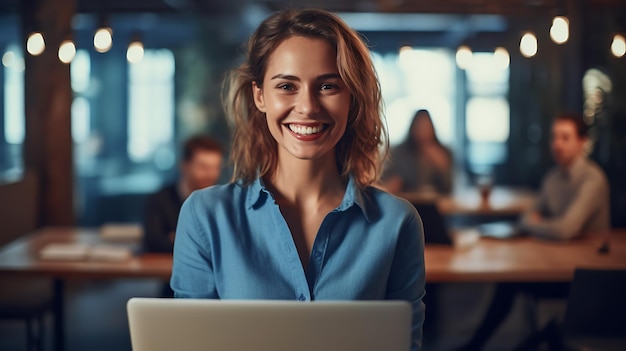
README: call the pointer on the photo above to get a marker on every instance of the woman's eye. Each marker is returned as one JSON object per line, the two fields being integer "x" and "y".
{"x": 288, "y": 87}
{"x": 327, "y": 86}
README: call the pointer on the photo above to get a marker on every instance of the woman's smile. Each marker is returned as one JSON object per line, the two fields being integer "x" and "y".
{"x": 307, "y": 132}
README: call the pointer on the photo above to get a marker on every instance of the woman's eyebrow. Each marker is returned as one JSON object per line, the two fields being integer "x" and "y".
{"x": 285, "y": 76}
{"x": 329, "y": 76}
{"x": 294, "y": 78}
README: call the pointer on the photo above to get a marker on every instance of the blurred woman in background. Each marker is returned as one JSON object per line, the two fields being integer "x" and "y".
{"x": 421, "y": 163}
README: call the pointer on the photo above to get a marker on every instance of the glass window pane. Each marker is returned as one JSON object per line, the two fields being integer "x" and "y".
{"x": 417, "y": 79}
{"x": 151, "y": 104}
{"x": 81, "y": 114}
{"x": 80, "y": 71}
{"x": 14, "y": 119}
{"x": 487, "y": 119}
{"x": 487, "y": 76}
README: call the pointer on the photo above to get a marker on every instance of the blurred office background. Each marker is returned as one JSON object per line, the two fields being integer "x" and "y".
{"x": 96, "y": 98}
{"x": 145, "y": 75}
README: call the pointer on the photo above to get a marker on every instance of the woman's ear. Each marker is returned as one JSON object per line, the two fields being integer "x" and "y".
{"x": 257, "y": 93}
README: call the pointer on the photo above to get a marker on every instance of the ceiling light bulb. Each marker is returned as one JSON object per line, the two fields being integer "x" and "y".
{"x": 559, "y": 32}
{"x": 134, "y": 53}
{"x": 67, "y": 51}
{"x": 464, "y": 57}
{"x": 502, "y": 57}
{"x": 618, "y": 46}
{"x": 103, "y": 39}
{"x": 35, "y": 45}
{"x": 528, "y": 45}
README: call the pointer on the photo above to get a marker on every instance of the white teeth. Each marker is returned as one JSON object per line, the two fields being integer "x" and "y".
{"x": 304, "y": 130}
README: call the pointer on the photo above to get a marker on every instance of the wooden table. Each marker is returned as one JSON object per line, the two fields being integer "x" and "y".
{"x": 502, "y": 202}
{"x": 488, "y": 260}
{"x": 523, "y": 259}
{"x": 21, "y": 257}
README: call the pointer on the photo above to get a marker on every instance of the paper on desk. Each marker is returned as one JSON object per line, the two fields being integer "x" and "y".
{"x": 64, "y": 252}
{"x": 121, "y": 232}
{"x": 80, "y": 252}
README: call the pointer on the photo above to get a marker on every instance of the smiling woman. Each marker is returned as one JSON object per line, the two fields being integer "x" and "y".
{"x": 307, "y": 113}
{"x": 300, "y": 219}
{"x": 254, "y": 149}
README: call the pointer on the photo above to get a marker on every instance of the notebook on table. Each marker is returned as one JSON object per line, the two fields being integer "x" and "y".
{"x": 262, "y": 325}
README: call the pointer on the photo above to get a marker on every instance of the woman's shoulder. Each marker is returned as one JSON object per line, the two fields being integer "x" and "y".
{"x": 216, "y": 191}
{"x": 388, "y": 203}
{"x": 219, "y": 195}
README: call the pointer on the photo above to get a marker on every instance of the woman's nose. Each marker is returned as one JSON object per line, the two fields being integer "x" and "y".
{"x": 307, "y": 102}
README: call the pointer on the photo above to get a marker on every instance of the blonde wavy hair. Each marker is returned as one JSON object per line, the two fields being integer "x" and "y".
{"x": 361, "y": 149}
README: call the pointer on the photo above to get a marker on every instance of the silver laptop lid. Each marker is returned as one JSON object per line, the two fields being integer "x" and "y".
{"x": 221, "y": 325}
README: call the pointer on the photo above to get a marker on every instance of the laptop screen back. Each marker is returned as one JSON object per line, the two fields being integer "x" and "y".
{"x": 261, "y": 325}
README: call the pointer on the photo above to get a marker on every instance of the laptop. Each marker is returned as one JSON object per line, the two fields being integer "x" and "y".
{"x": 501, "y": 230}
{"x": 268, "y": 325}
{"x": 435, "y": 228}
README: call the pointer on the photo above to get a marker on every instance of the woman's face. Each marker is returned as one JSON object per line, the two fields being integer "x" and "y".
{"x": 423, "y": 131}
{"x": 305, "y": 101}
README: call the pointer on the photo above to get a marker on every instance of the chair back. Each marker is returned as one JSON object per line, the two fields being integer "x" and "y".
{"x": 18, "y": 207}
{"x": 596, "y": 310}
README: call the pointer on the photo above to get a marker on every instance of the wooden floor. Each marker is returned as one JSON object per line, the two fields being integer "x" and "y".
{"x": 96, "y": 317}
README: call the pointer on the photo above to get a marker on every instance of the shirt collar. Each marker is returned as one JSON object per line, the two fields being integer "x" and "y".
{"x": 576, "y": 167}
{"x": 352, "y": 196}
{"x": 258, "y": 194}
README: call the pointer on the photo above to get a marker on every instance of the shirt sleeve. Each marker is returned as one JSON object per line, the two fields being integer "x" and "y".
{"x": 408, "y": 275}
{"x": 538, "y": 207}
{"x": 570, "y": 224}
{"x": 192, "y": 270}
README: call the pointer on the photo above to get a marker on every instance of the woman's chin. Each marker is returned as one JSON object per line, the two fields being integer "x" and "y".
{"x": 308, "y": 154}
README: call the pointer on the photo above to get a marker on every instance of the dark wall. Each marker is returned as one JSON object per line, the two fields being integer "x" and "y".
{"x": 610, "y": 122}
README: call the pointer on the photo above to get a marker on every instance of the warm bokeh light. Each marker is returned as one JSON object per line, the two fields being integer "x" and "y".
{"x": 528, "y": 45}
{"x": 103, "y": 39}
{"x": 502, "y": 57}
{"x": 35, "y": 45}
{"x": 406, "y": 56}
{"x": 618, "y": 46}
{"x": 134, "y": 53}
{"x": 67, "y": 51}
{"x": 8, "y": 58}
{"x": 559, "y": 32}
{"x": 405, "y": 48}
{"x": 464, "y": 57}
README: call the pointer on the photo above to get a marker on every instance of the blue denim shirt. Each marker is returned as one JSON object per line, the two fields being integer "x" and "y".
{"x": 232, "y": 242}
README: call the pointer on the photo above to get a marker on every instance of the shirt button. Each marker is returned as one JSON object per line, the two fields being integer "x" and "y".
{"x": 302, "y": 298}
{"x": 318, "y": 254}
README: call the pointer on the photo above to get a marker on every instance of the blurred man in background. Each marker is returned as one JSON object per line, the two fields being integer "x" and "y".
{"x": 200, "y": 168}
{"x": 574, "y": 201}
{"x": 574, "y": 196}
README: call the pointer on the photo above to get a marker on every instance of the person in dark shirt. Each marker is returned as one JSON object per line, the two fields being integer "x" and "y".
{"x": 200, "y": 168}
